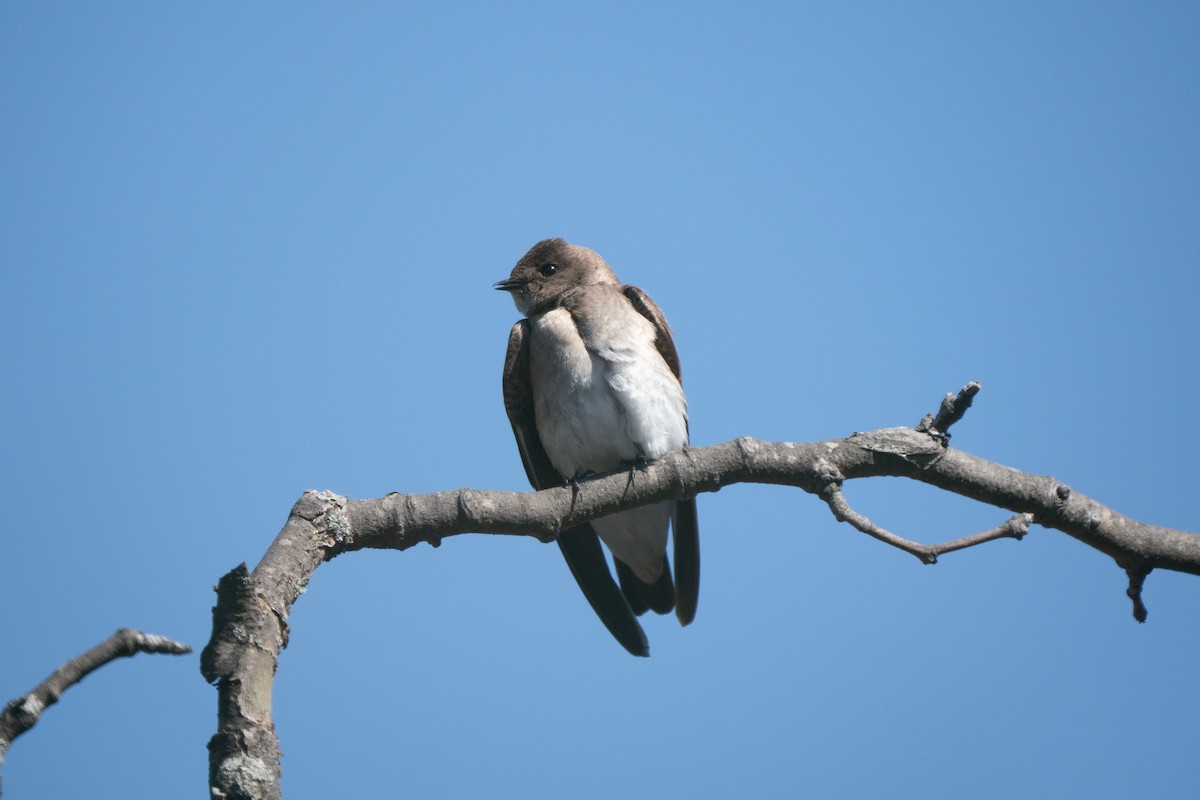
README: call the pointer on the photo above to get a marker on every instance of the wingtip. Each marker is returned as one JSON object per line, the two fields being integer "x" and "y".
{"x": 685, "y": 615}
{"x": 639, "y": 647}
{"x": 581, "y": 548}
{"x": 685, "y": 531}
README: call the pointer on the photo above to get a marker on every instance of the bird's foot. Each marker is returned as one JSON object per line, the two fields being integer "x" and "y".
{"x": 637, "y": 465}
{"x": 576, "y": 489}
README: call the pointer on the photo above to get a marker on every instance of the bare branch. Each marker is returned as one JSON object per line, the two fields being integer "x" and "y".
{"x": 250, "y": 620}
{"x": 22, "y": 713}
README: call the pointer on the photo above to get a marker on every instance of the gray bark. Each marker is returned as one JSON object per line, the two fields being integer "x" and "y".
{"x": 250, "y": 618}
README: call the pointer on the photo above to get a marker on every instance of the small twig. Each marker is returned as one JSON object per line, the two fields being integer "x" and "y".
{"x": 953, "y": 407}
{"x": 1137, "y": 576}
{"x": 22, "y": 713}
{"x": 842, "y": 511}
{"x": 1014, "y": 528}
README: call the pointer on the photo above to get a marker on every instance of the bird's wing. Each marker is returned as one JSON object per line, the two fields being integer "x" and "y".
{"x": 684, "y": 524}
{"x": 686, "y": 531}
{"x": 662, "y": 338}
{"x": 518, "y": 402}
{"x": 581, "y": 549}
{"x": 580, "y": 545}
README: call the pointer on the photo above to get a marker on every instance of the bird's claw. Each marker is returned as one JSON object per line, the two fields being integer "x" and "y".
{"x": 576, "y": 489}
{"x": 639, "y": 464}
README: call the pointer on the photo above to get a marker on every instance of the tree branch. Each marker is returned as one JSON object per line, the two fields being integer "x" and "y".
{"x": 250, "y": 619}
{"x": 22, "y": 713}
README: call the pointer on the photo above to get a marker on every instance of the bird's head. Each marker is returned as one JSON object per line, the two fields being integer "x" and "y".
{"x": 551, "y": 273}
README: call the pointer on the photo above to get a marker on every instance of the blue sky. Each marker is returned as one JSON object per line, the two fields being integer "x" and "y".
{"x": 248, "y": 249}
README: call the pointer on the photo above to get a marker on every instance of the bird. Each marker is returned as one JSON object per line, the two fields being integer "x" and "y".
{"x": 591, "y": 384}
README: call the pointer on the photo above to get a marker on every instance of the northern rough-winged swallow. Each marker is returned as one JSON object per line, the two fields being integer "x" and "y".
{"x": 591, "y": 383}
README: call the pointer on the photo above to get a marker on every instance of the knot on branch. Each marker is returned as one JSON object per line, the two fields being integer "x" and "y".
{"x": 326, "y": 511}
{"x": 827, "y": 483}
{"x": 25, "y": 711}
{"x": 748, "y": 448}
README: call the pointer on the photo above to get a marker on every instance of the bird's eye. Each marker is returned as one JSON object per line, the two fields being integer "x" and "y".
{"x": 548, "y": 269}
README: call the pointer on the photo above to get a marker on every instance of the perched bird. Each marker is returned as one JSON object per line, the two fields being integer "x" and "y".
{"x": 591, "y": 383}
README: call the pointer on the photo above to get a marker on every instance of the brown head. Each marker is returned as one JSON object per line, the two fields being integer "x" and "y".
{"x": 551, "y": 272}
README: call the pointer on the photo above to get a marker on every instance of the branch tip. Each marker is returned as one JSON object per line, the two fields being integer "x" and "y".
{"x": 23, "y": 712}
{"x": 952, "y": 409}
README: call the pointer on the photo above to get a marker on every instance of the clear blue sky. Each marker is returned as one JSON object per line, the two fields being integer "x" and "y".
{"x": 247, "y": 249}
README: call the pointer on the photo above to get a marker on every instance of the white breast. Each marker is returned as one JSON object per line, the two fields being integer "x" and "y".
{"x": 598, "y": 406}
{"x": 607, "y": 402}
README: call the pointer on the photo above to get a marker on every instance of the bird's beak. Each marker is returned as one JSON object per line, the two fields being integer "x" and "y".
{"x": 509, "y": 284}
